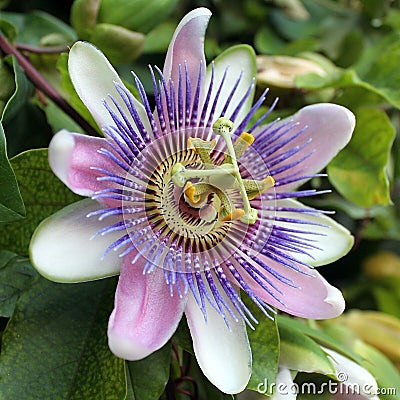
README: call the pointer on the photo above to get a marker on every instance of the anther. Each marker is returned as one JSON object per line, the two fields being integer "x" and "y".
{"x": 240, "y": 146}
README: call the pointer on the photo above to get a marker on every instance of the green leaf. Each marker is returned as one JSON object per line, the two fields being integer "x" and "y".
{"x": 264, "y": 343}
{"x": 157, "y": 41}
{"x": 379, "y": 68}
{"x": 11, "y": 203}
{"x": 7, "y": 87}
{"x": 57, "y": 118}
{"x": 386, "y": 375}
{"x": 205, "y": 389}
{"x": 21, "y": 118}
{"x": 43, "y": 194}
{"x": 37, "y": 24}
{"x": 312, "y": 386}
{"x": 317, "y": 335}
{"x": 182, "y": 336}
{"x": 8, "y": 30}
{"x": 388, "y": 301}
{"x": 359, "y": 171}
{"x": 267, "y": 41}
{"x": 300, "y": 353}
{"x": 384, "y": 225}
{"x": 16, "y": 274}
{"x": 139, "y": 15}
{"x": 55, "y": 345}
{"x": 149, "y": 376}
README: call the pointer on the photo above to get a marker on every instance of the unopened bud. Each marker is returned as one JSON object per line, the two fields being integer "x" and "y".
{"x": 377, "y": 329}
{"x": 138, "y": 15}
{"x": 84, "y": 17}
{"x": 384, "y": 264}
{"x": 120, "y": 45}
{"x": 282, "y": 71}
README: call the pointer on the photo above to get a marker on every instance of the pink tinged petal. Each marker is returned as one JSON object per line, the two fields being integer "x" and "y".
{"x": 313, "y": 297}
{"x": 94, "y": 80}
{"x": 353, "y": 376}
{"x": 62, "y": 250}
{"x": 329, "y": 126}
{"x": 71, "y": 156}
{"x": 284, "y": 385}
{"x": 223, "y": 354}
{"x": 145, "y": 315}
{"x": 333, "y": 240}
{"x": 187, "y": 46}
{"x": 238, "y": 61}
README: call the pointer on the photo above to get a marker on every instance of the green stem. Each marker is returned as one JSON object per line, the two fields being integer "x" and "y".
{"x": 41, "y": 49}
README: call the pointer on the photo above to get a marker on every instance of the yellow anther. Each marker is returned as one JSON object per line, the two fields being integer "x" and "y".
{"x": 190, "y": 192}
{"x": 237, "y": 213}
{"x": 255, "y": 188}
{"x": 240, "y": 146}
{"x": 269, "y": 182}
{"x": 247, "y": 137}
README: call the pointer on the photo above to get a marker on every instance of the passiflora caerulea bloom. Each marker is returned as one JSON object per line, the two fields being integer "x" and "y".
{"x": 189, "y": 206}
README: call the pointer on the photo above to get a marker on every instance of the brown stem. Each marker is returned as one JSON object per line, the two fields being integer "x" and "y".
{"x": 41, "y": 49}
{"x": 44, "y": 86}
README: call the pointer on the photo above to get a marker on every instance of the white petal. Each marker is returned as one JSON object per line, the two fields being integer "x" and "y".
{"x": 61, "y": 249}
{"x": 224, "y": 355}
{"x": 284, "y": 388}
{"x": 94, "y": 80}
{"x": 239, "y": 59}
{"x": 333, "y": 239}
{"x": 353, "y": 375}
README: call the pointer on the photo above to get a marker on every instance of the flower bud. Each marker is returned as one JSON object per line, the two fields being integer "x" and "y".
{"x": 120, "y": 45}
{"x": 384, "y": 264}
{"x": 282, "y": 71}
{"x": 84, "y": 17}
{"x": 117, "y": 27}
{"x": 135, "y": 15}
{"x": 377, "y": 329}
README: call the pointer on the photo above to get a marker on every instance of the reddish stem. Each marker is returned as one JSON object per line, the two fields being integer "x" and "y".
{"x": 40, "y": 83}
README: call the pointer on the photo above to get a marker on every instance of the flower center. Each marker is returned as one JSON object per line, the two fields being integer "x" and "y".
{"x": 194, "y": 194}
{"x": 217, "y": 179}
